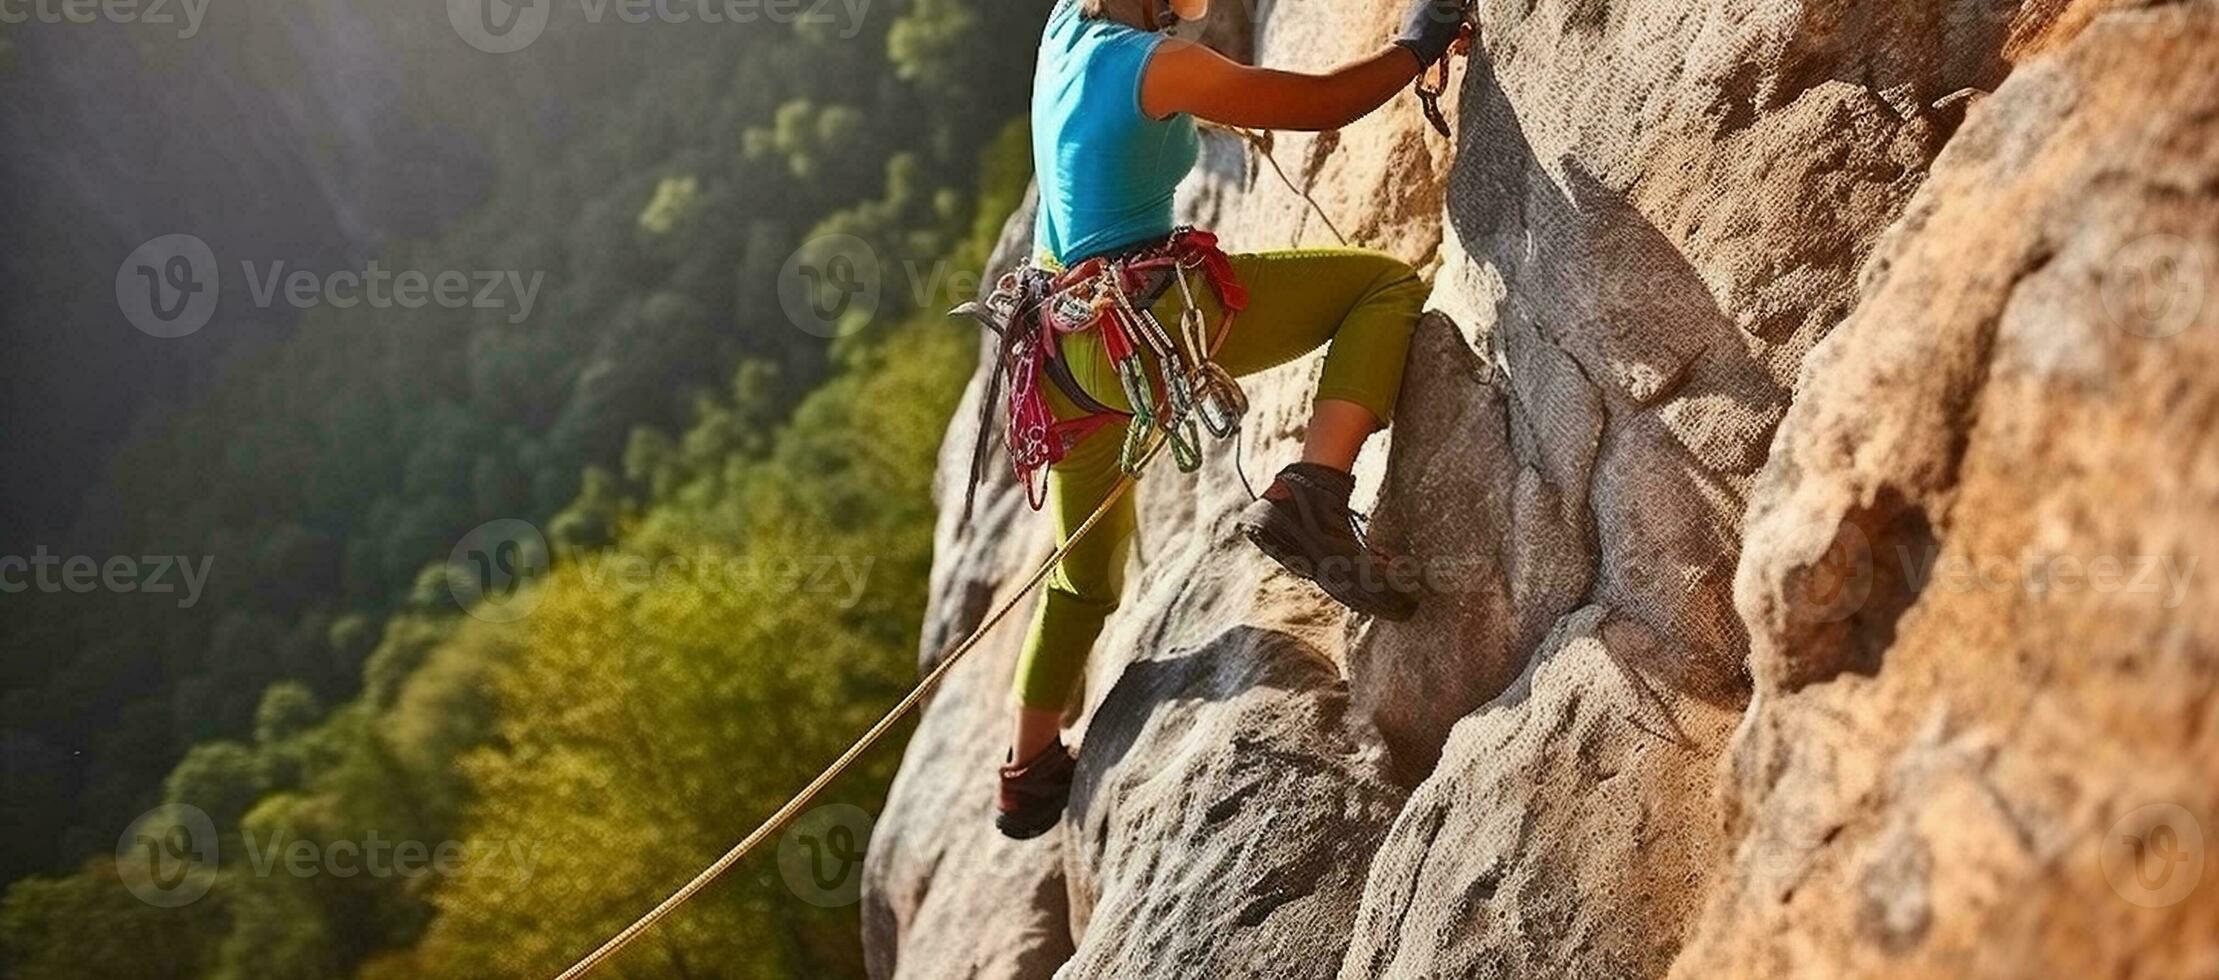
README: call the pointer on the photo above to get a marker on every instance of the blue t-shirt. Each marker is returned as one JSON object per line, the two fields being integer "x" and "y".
{"x": 1106, "y": 170}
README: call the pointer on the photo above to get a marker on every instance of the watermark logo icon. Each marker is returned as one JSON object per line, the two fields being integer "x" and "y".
{"x": 2154, "y": 856}
{"x": 821, "y": 856}
{"x": 2158, "y": 284}
{"x": 1835, "y": 585}
{"x": 489, "y": 568}
{"x": 830, "y": 285}
{"x": 168, "y": 286}
{"x": 167, "y": 857}
{"x": 498, "y": 26}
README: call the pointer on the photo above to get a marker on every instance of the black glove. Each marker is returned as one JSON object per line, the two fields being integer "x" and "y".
{"x": 1431, "y": 27}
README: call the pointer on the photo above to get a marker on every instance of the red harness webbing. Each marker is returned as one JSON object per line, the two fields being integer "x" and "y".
{"x": 1072, "y": 304}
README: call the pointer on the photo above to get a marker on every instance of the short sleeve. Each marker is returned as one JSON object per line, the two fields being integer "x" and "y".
{"x": 1118, "y": 63}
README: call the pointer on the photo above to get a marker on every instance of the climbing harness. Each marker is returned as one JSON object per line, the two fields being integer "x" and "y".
{"x": 1171, "y": 384}
{"x": 785, "y": 814}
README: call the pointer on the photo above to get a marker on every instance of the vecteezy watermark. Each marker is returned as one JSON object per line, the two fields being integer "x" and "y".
{"x": 2043, "y": 575}
{"x": 844, "y": 576}
{"x": 489, "y": 569}
{"x": 941, "y": 284}
{"x": 498, "y": 26}
{"x": 821, "y": 856}
{"x": 170, "y": 285}
{"x": 50, "y": 573}
{"x": 2159, "y": 284}
{"x": 506, "y": 26}
{"x": 376, "y": 857}
{"x": 2154, "y": 856}
{"x": 1837, "y": 583}
{"x": 830, "y": 285}
{"x": 168, "y": 856}
{"x": 379, "y": 288}
{"x": 167, "y": 286}
{"x": 162, "y": 13}
{"x": 1442, "y": 575}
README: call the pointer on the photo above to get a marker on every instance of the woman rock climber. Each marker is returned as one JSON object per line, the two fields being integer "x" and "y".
{"x": 1113, "y": 125}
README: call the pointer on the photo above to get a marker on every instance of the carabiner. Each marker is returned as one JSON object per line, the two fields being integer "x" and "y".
{"x": 1135, "y": 450}
{"x": 1220, "y": 403}
{"x": 1429, "y": 96}
{"x": 1186, "y": 443}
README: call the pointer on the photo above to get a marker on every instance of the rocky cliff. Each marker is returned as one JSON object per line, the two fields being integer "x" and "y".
{"x": 1812, "y": 455}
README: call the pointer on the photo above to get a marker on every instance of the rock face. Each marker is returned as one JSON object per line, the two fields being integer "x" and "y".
{"x": 1983, "y": 629}
{"x": 1812, "y": 458}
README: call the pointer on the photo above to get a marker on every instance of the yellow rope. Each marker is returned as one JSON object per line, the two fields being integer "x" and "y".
{"x": 1428, "y": 99}
{"x": 793, "y": 807}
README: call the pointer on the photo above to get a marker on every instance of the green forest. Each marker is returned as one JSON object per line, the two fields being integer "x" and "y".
{"x": 658, "y": 409}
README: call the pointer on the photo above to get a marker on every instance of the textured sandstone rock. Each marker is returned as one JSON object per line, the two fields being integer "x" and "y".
{"x": 1961, "y": 717}
{"x": 1654, "y": 210}
{"x": 1450, "y": 507}
{"x": 1222, "y": 816}
{"x": 1638, "y": 745}
{"x": 1477, "y": 879}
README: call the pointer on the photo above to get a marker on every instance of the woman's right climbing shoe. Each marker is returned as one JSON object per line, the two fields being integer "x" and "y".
{"x": 1033, "y": 794}
{"x": 1304, "y": 523}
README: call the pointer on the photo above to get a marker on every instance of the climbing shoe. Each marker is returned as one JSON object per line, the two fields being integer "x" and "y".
{"x": 1033, "y": 793}
{"x": 1304, "y": 523}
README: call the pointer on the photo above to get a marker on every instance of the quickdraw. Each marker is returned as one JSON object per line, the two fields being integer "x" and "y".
{"x": 1429, "y": 91}
{"x": 1214, "y": 396}
{"x": 1167, "y": 377}
{"x": 1429, "y": 95}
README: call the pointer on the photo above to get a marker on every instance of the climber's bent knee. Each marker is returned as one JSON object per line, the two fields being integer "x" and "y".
{"x": 1365, "y": 363}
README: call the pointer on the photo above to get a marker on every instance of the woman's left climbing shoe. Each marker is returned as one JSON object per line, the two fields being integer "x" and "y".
{"x": 1033, "y": 793}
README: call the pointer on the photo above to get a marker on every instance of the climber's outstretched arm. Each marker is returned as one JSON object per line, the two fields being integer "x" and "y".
{"x": 1188, "y": 77}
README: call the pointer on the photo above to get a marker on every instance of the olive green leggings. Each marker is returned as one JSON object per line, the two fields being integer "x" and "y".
{"x": 1365, "y": 303}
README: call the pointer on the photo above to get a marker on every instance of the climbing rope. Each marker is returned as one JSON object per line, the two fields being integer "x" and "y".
{"x": 785, "y": 814}
{"x": 1428, "y": 90}
{"x": 1261, "y": 143}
